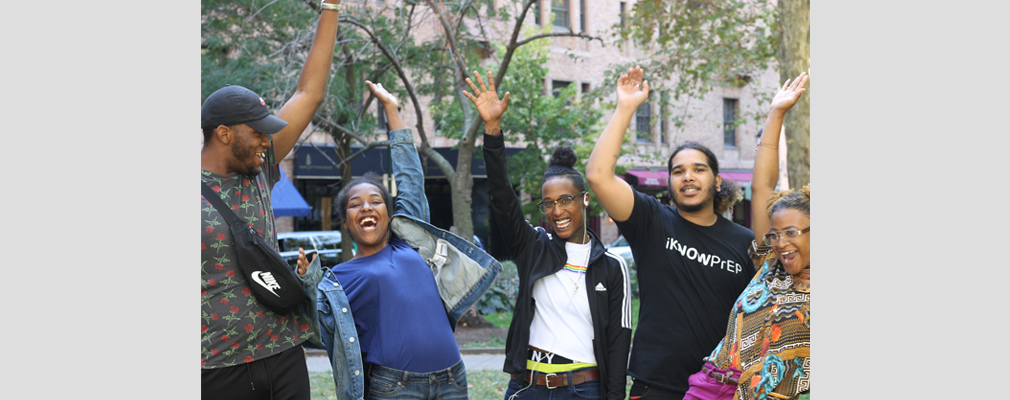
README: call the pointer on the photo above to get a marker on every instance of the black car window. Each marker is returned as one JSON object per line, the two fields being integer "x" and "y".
{"x": 293, "y": 243}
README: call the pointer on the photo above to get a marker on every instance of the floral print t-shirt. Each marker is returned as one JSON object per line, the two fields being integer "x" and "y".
{"x": 235, "y": 328}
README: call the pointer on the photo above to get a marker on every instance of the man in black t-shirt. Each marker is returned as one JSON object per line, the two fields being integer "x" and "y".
{"x": 692, "y": 263}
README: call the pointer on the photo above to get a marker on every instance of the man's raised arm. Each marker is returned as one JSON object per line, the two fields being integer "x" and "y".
{"x": 615, "y": 195}
{"x": 300, "y": 108}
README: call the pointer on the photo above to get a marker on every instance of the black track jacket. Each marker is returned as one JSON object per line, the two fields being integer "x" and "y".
{"x": 538, "y": 254}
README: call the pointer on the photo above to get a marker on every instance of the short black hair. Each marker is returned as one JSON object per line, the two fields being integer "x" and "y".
{"x": 345, "y": 192}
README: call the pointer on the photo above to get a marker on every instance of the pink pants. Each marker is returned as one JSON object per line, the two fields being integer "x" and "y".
{"x": 705, "y": 387}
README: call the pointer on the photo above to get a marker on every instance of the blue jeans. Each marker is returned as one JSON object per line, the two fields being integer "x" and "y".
{"x": 388, "y": 383}
{"x": 585, "y": 390}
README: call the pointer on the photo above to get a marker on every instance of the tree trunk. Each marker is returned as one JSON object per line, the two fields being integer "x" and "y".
{"x": 794, "y": 58}
{"x": 346, "y": 246}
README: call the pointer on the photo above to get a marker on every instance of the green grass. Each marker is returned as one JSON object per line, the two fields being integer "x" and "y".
{"x": 482, "y": 385}
{"x": 492, "y": 343}
{"x": 321, "y": 385}
{"x": 500, "y": 320}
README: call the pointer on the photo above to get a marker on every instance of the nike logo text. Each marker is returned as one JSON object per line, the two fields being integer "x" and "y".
{"x": 266, "y": 280}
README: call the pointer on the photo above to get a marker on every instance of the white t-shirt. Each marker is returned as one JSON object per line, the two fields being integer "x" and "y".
{"x": 562, "y": 323}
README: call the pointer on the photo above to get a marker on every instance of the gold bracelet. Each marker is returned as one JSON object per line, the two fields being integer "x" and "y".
{"x": 328, "y": 6}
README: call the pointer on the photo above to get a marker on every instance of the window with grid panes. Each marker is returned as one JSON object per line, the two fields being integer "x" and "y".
{"x": 643, "y": 133}
{"x": 536, "y": 13}
{"x": 729, "y": 122}
{"x": 561, "y": 13}
{"x": 582, "y": 15}
{"x": 664, "y": 98}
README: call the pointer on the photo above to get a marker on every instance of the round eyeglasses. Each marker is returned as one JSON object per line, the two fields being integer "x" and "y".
{"x": 773, "y": 237}
{"x": 563, "y": 201}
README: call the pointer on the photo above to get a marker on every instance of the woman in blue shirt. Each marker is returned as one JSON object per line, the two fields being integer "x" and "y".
{"x": 403, "y": 302}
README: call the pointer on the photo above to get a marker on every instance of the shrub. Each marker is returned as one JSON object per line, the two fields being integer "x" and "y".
{"x": 501, "y": 296}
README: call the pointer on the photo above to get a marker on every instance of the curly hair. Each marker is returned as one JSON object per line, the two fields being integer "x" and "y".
{"x": 728, "y": 195}
{"x": 790, "y": 200}
{"x": 562, "y": 163}
{"x": 345, "y": 192}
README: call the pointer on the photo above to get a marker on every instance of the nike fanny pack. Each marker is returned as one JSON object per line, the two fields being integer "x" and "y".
{"x": 269, "y": 277}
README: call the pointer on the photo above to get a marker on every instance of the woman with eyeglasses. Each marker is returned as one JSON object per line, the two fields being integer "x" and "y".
{"x": 571, "y": 327}
{"x": 766, "y": 351}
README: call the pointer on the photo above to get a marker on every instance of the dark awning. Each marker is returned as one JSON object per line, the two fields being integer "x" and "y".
{"x": 287, "y": 202}
{"x": 646, "y": 178}
{"x": 741, "y": 177}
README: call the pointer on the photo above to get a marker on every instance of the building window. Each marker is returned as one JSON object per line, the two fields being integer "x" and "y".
{"x": 664, "y": 128}
{"x": 643, "y": 133}
{"x": 582, "y": 16}
{"x": 557, "y": 86}
{"x": 729, "y": 122}
{"x": 561, "y": 13}
{"x": 536, "y": 13}
{"x": 624, "y": 8}
{"x": 585, "y": 87}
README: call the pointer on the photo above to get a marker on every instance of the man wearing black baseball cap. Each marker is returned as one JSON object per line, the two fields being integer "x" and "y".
{"x": 248, "y": 351}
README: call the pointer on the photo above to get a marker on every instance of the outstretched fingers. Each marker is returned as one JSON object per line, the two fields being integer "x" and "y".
{"x": 470, "y": 96}
{"x": 505, "y": 101}
{"x": 473, "y": 87}
{"x": 800, "y": 82}
{"x": 480, "y": 82}
{"x": 490, "y": 81}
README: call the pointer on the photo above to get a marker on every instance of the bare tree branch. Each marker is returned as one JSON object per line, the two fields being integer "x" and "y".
{"x": 570, "y": 33}
{"x": 399, "y": 71}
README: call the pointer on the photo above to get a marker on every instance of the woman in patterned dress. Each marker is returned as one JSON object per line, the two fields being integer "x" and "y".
{"x": 766, "y": 351}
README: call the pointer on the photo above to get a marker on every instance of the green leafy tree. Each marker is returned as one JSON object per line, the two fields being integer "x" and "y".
{"x": 261, "y": 44}
{"x": 536, "y": 120}
{"x": 693, "y": 45}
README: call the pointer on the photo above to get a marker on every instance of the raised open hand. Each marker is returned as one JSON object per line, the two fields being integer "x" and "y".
{"x": 488, "y": 105}
{"x": 381, "y": 94}
{"x": 789, "y": 93}
{"x": 632, "y": 91}
{"x": 303, "y": 262}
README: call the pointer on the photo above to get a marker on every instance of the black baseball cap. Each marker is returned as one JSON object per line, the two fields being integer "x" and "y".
{"x": 233, "y": 104}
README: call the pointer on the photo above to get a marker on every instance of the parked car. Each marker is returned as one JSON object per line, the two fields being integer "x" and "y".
{"x": 620, "y": 248}
{"x": 326, "y": 243}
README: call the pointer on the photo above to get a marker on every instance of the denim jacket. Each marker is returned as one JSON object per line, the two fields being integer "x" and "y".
{"x": 463, "y": 272}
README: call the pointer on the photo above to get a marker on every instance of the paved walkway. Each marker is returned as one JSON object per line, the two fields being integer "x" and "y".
{"x": 318, "y": 361}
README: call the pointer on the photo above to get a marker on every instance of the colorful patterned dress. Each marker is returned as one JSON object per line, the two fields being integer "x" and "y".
{"x": 768, "y": 336}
